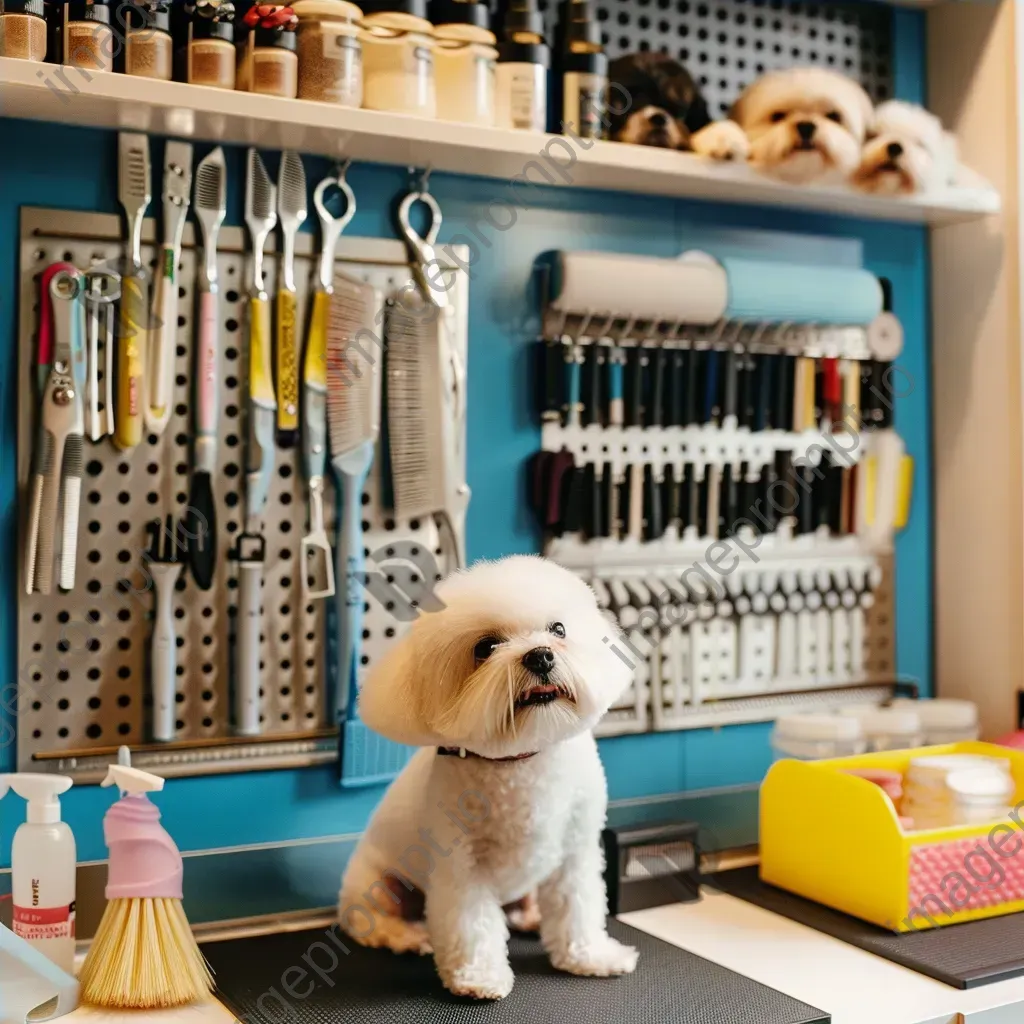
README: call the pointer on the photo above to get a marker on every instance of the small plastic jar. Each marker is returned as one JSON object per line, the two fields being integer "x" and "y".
{"x": 892, "y": 728}
{"x": 330, "y": 52}
{"x": 398, "y": 58}
{"x": 88, "y": 36}
{"x": 945, "y": 721}
{"x": 23, "y": 29}
{"x": 465, "y": 58}
{"x": 268, "y": 63}
{"x": 148, "y": 50}
{"x": 210, "y": 54}
{"x": 814, "y": 736}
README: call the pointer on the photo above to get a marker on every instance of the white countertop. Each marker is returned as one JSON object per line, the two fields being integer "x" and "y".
{"x": 854, "y": 986}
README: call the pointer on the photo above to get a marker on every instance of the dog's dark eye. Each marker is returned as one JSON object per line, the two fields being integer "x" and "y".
{"x": 557, "y": 629}
{"x": 834, "y": 115}
{"x": 485, "y": 648}
{"x": 779, "y": 115}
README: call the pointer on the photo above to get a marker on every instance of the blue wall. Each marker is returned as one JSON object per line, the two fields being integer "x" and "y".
{"x": 76, "y": 169}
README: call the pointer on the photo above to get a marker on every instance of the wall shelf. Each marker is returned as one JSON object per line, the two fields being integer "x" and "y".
{"x": 45, "y": 92}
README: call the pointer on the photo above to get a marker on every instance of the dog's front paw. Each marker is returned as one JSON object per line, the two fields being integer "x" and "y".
{"x": 722, "y": 140}
{"x": 601, "y": 958}
{"x": 479, "y": 982}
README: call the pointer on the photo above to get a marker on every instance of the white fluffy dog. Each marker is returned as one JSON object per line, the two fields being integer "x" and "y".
{"x": 907, "y": 151}
{"x": 501, "y": 688}
{"x": 804, "y": 124}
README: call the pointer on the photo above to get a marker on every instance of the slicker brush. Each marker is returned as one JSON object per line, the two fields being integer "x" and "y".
{"x": 144, "y": 956}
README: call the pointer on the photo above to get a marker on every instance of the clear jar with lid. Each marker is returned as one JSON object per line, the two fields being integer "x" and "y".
{"x": 813, "y": 736}
{"x": 267, "y": 61}
{"x": 330, "y": 52}
{"x": 148, "y": 51}
{"x": 205, "y": 42}
{"x": 464, "y": 62}
{"x": 23, "y": 29}
{"x": 891, "y": 728}
{"x": 88, "y": 38}
{"x": 398, "y": 58}
{"x": 945, "y": 720}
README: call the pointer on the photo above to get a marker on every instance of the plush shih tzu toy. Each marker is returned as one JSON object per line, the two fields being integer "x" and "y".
{"x": 804, "y": 124}
{"x": 507, "y": 797}
{"x": 659, "y": 104}
{"x": 907, "y": 151}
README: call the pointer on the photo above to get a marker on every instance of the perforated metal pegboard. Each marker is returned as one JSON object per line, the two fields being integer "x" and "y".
{"x": 726, "y": 44}
{"x": 83, "y": 655}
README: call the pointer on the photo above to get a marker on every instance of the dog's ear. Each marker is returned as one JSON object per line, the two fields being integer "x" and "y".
{"x": 391, "y": 700}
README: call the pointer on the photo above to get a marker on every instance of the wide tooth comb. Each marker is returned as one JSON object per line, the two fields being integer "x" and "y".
{"x": 261, "y": 195}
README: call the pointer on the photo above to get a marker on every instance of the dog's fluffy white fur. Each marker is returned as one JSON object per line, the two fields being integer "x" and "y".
{"x": 907, "y": 151}
{"x": 475, "y": 833}
{"x": 804, "y": 124}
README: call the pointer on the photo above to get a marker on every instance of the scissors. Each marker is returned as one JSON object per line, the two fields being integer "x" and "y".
{"x": 421, "y": 247}
{"x": 56, "y": 483}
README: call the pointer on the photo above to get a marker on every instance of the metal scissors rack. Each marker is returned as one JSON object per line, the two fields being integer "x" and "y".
{"x": 82, "y": 679}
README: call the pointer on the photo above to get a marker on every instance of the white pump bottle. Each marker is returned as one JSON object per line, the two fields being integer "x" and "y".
{"x": 43, "y": 869}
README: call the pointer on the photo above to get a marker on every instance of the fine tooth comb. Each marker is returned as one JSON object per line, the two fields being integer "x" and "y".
{"x": 353, "y": 423}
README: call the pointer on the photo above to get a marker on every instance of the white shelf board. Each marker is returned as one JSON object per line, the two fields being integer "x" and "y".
{"x": 197, "y": 112}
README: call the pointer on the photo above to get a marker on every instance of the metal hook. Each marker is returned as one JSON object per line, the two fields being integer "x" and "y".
{"x": 331, "y": 227}
{"x": 420, "y": 180}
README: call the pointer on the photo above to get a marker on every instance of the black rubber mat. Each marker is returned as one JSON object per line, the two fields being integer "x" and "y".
{"x": 962, "y": 955}
{"x": 670, "y": 986}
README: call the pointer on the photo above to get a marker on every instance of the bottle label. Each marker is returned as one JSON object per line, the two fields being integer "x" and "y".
{"x": 34, "y": 924}
{"x": 523, "y": 100}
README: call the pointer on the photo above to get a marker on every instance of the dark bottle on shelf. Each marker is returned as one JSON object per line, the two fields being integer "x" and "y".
{"x": 583, "y": 72}
{"x": 524, "y": 60}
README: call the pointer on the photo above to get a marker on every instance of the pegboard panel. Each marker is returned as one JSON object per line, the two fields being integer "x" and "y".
{"x": 727, "y": 44}
{"x": 83, "y": 655}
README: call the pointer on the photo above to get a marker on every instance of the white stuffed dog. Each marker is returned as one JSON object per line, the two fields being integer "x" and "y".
{"x": 804, "y": 124}
{"x": 507, "y": 797}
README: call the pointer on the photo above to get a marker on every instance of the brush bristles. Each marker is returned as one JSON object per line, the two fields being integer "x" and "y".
{"x": 144, "y": 957}
{"x": 210, "y": 190}
{"x": 416, "y": 407}
{"x": 355, "y": 351}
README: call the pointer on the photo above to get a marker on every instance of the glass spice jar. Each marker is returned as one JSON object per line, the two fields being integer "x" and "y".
{"x": 398, "y": 57}
{"x": 267, "y": 60}
{"x": 330, "y": 52}
{"x": 464, "y": 61}
{"x": 210, "y": 53}
{"x": 23, "y": 29}
{"x": 148, "y": 51}
{"x": 89, "y": 41}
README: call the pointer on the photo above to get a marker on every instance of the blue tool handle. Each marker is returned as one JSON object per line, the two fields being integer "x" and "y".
{"x": 350, "y": 573}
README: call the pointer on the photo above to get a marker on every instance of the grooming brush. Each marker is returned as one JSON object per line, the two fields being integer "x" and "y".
{"x": 162, "y": 336}
{"x": 134, "y": 196}
{"x": 291, "y": 209}
{"x": 201, "y": 517}
{"x": 165, "y": 567}
{"x": 426, "y": 409}
{"x": 353, "y": 424}
{"x": 144, "y": 956}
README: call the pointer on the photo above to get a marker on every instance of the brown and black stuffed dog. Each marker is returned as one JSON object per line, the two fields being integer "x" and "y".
{"x": 659, "y": 104}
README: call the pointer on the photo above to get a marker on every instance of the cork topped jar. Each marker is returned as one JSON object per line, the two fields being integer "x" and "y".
{"x": 330, "y": 51}
{"x": 209, "y": 45}
{"x": 464, "y": 61}
{"x": 398, "y": 57}
{"x": 148, "y": 50}
{"x": 267, "y": 60}
{"x": 88, "y": 37}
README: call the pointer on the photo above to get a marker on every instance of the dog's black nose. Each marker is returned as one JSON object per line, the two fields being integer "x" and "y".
{"x": 658, "y": 119}
{"x": 895, "y": 150}
{"x": 540, "y": 661}
{"x": 805, "y": 129}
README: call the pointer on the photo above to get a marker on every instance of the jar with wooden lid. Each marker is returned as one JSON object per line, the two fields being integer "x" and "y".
{"x": 88, "y": 37}
{"x": 210, "y": 53}
{"x": 267, "y": 59}
{"x": 464, "y": 61}
{"x": 398, "y": 57}
{"x": 330, "y": 51}
{"x": 23, "y": 29}
{"x": 148, "y": 51}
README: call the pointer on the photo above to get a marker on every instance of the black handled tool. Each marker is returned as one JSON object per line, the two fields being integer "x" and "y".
{"x": 593, "y": 362}
{"x": 656, "y": 407}
{"x": 653, "y": 524}
{"x": 551, "y": 370}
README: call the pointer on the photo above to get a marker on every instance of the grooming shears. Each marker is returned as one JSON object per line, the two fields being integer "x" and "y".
{"x": 56, "y": 483}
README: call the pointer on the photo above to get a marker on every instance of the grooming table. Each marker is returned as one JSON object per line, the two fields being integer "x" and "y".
{"x": 670, "y": 986}
{"x": 961, "y": 955}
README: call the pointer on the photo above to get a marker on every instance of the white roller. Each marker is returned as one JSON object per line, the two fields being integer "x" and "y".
{"x": 692, "y": 289}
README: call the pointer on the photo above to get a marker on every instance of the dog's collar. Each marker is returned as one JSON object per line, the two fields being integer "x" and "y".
{"x": 463, "y": 752}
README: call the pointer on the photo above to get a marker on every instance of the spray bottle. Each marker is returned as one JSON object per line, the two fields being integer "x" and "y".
{"x": 43, "y": 869}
